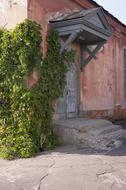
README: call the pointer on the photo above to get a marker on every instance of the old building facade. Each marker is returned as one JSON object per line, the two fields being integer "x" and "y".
{"x": 97, "y": 88}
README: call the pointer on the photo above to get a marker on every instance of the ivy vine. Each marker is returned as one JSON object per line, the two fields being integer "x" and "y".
{"x": 26, "y": 111}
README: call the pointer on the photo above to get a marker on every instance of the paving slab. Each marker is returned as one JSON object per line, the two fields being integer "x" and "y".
{"x": 66, "y": 168}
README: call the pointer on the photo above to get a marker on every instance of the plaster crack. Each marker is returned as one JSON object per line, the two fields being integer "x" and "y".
{"x": 103, "y": 173}
{"x": 39, "y": 186}
{"x": 46, "y": 175}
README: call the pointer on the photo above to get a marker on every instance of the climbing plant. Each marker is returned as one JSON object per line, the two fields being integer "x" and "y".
{"x": 26, "y": 110}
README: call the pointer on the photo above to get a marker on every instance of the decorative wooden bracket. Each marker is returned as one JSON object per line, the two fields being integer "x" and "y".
{"x": 71, "y": 38}
{"x": 92, "y": 53}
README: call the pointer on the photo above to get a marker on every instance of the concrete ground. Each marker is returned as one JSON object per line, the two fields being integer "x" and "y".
{"x": 66, "y": 168}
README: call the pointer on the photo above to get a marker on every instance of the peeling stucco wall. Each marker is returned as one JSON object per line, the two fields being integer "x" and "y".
{"x": 12, "y": 12}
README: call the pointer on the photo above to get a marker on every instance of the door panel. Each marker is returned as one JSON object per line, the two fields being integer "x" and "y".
{"x": 71, "y": 101}
{"x": 67, "y": 105}
{"x": 72, "y": 90}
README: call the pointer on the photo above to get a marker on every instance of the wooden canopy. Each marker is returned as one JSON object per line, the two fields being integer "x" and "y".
{"x": 87, "y": 27}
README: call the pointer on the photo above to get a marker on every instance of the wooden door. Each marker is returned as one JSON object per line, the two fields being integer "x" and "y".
{"x": 67, "y": 105}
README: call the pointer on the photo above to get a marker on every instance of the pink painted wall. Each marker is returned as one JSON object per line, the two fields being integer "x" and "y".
{"x": 12, "y": 12}
{"x": 123, "y": 45}
{"x": 101, "y": 83}
{"x": 98, "y": 81}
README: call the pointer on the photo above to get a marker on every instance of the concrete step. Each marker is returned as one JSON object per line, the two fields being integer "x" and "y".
{"x": 82, "y": 124}
{"x": 105, "y": 141}
{"x": 111, "y": 140}
{"x": 105, "y": 130}
{"x": 114, "y": 134}
{"x": 95, "y": 133}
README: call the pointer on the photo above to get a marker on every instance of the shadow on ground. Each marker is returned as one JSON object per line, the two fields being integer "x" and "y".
{"x": 120, "y": 151}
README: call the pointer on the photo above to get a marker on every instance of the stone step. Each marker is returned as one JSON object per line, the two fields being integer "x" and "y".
{"x": 107, "y": 141}
{"x": 82, "y": 124}
{"x": 114, "y": 134}
{"x": 111, "y": 140}
{"x": 105, "y": 130}
{"x": 95, "y": 133}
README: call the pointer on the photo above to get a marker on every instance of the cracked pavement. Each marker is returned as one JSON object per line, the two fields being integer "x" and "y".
{"x": 66, "y": 168}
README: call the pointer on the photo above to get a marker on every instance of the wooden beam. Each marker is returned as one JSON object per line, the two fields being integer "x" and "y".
{"x": 92, "y": 55}
{"x": 90, "y": 52}
{"x": 71, "y": 38}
